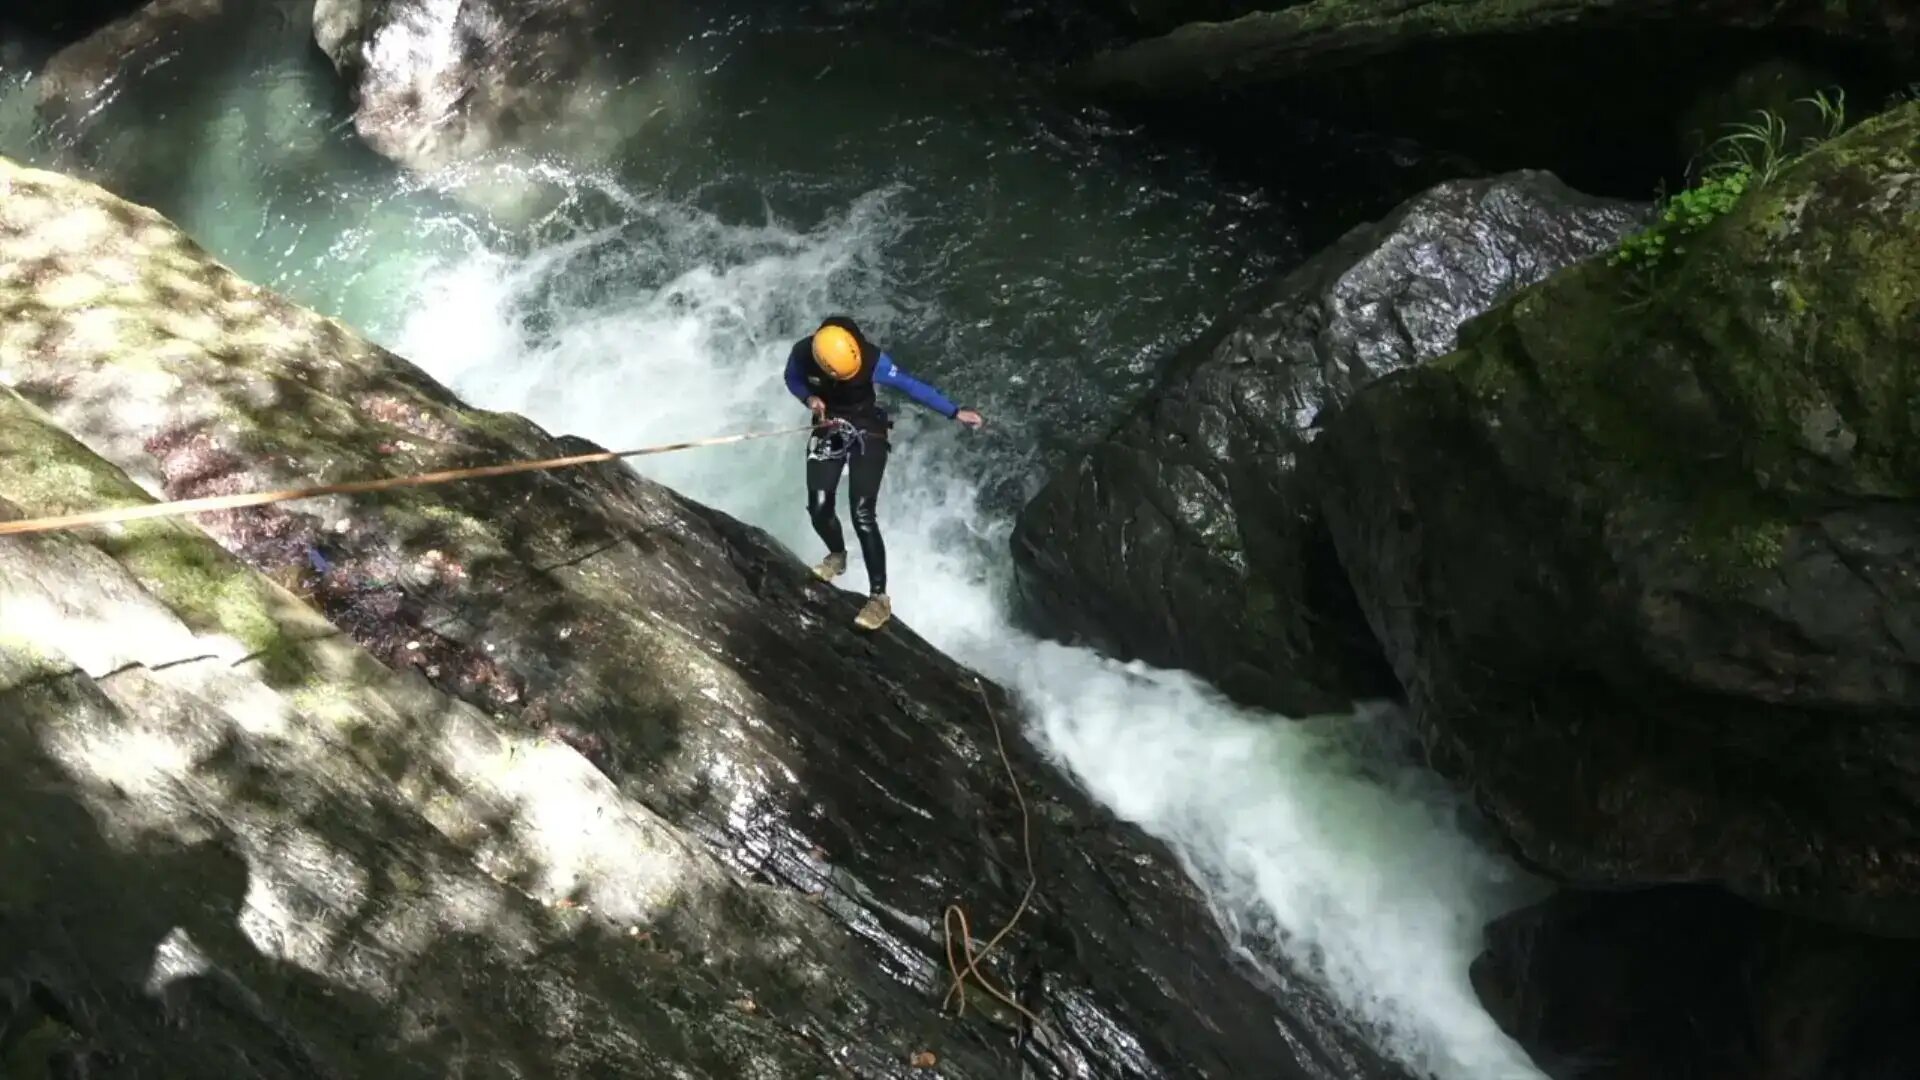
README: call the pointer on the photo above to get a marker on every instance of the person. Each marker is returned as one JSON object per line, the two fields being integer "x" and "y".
{"x": 833, "y": 372}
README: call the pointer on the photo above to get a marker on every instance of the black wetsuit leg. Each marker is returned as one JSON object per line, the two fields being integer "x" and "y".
{"x": 868, "y": 466}
{"x": 823, "y": 477}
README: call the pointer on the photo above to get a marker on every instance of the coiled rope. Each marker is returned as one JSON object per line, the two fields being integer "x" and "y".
{"x": 954, "y": 912}
{"x": 180, "y": 507}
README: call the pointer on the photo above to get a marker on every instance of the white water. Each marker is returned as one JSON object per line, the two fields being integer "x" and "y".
{"x": 1365, "y": 880}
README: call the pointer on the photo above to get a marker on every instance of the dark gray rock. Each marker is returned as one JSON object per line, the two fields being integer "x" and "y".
{"x": 753, "y": 758}
{"x": 1681, "y": 982}
{"x": 1186, "y": 538}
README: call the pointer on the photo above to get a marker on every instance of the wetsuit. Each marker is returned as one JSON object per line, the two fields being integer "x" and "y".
{"x": 854, "y": 401}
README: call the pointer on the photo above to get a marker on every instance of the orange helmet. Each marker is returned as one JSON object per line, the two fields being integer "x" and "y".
{"x": 837, "y": 352}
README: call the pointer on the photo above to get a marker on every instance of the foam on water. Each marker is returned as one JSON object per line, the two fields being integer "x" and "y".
{"x": 1311, "y": 841}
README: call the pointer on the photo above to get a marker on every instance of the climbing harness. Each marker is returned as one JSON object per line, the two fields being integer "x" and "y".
{"x": 955, "y": 913}
{"x": 836, "y": 440}
{"x": 180, "y": 507}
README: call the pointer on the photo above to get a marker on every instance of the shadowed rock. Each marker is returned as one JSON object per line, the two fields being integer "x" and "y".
{"x": 1309, "y": 38}
{"x": 1586, "y": 88}
{"x": 1685, "y": 981}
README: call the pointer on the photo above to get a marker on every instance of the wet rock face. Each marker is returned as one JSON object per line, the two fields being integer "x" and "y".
{"x": 238, "y": 845}
{"x": 693, "y": 661}
{"x": 1644, "y": 560}
{"x": 1687, "y": 981}
{"x": 1187, "y": 537}
{"x": 438, "y": 84}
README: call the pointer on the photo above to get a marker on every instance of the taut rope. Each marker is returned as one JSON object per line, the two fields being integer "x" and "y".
{"x": 179, "y": 507}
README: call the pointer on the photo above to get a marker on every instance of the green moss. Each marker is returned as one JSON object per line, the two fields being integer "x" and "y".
{"x": 1732, "y": 535}
{"x": 210, "y": 590}
{"x": 1773, "y": 371}
{"x": 45, "y": 471}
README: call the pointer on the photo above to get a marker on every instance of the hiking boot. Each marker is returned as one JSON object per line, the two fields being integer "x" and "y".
{"x": 831, "y": 567}
{"x": 875, "y": 615}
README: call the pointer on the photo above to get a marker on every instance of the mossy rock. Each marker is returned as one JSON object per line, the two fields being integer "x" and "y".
{"x": 1649, "y": 563}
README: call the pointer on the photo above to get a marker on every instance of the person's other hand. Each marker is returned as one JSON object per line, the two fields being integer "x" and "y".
{"x": 819, "y": 409}
{"x": 970, "y": 418}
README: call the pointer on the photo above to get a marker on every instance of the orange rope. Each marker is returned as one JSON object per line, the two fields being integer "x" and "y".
{"x": 354, "y": 487}
{"x": 954, "y": 912}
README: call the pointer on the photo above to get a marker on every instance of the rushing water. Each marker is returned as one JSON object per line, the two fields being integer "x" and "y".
{"x": 1031, "y": 261}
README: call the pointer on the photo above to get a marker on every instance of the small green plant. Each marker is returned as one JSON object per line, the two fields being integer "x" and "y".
{"x": 1833, "y": 114}
{"x": 1681, "y": 216}
{"x": 1757, "y": 148}
{"x": 1750, "y": 155}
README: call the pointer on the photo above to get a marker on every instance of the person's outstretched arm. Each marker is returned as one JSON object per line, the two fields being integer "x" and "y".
{"x": 888, "y": 373}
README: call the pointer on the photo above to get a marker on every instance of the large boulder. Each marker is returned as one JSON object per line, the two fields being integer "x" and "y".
{"x": 236, "y": 844}
{"x": 691, "y": 659}
{"x": 1509, "y": 82}
{"x": 436, "y": 84}
{"x": 1685, "y": 981}
{"x": 1643, "y": 552}
{"x": 1187, "y": 538}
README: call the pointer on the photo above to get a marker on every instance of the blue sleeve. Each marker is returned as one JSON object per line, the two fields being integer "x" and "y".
{"x": 887, "y": 373}
{"x": 796, "y": 376}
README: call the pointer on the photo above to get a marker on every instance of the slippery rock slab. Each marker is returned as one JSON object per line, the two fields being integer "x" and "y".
{"x": 687, "y": 656}
{"x": 1643, "y": 553}
{"x": 1187, "y": 537}
{"x": 236, "y": 844}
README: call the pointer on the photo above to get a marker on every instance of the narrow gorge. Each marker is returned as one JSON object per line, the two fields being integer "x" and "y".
{"x": 1433, "y": 599}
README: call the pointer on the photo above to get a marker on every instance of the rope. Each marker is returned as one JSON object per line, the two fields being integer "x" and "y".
{"x": 179, "y": 507}
{"x": 954, "y": 911}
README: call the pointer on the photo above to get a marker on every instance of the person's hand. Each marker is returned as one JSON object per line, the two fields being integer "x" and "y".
{"x": 970, "y": 418}
{"x": 819, "y": 409}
